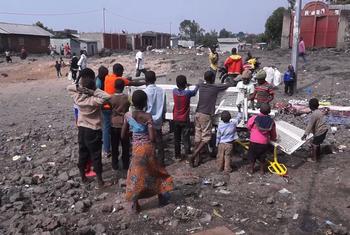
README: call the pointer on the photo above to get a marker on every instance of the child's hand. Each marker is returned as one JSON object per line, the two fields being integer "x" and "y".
{"x": 303, "y": 137}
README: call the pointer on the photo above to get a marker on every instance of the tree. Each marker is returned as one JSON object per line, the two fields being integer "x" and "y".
{"x": 224, "y": 33}
{"x": 41, "y": 25}
{"x": 209, "y": 39}
{"x": 191, "y": 30}
{"x": 240, "y": 34}
{"x": 274, "y": 24}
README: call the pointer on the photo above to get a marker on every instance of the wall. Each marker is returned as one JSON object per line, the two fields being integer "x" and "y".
{"x": 74, "y": 44}
{"x": 343, "y": 41}
{"x": 33, "y": 44}
{"x": 286, "y": 29}
{"x": 98, "y": 37}
{"x": 89, "y": 47}
{"x": 115, "y": 42}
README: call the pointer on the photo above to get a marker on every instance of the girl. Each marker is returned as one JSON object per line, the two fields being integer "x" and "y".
{"x": 146, "y": 177}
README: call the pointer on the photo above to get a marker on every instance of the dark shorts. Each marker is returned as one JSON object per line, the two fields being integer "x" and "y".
{"x": 257, "y": 151}
{"x": 317, "y": 140}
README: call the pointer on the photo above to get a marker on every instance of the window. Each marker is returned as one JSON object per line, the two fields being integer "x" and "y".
{"x": 21, "y": 41}
{"x": 43, "y": 42}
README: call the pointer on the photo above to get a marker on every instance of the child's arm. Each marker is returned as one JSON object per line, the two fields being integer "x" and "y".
{"x": 193, "y": 92}
{"x": 151, "y": 131}
{"x": 100, "y": 96}
{"x": 125, "y": 129}
{"x": 236, "y": 120}
{"x": 273, "y": 135}
{"x": 310, "y": 126}
{"x": 218, "y": 137}
{"x": 251, "y": 122}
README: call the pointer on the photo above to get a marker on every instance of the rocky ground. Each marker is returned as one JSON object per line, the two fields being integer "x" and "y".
{"x": 41, "y": 192}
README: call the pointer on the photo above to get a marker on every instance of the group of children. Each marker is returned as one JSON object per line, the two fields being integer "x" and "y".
{"x": 104, "y": 120}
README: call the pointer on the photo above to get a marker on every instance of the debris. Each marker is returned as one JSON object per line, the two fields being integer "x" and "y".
{"x": 206, "y": 218}
{"x": 270, "y": 200}
{"x": 279, "y": 215}
{"x": 186, "y": 213}
{"x": 261, "y": 221}
{"x": 191, "y": 230}
{"x": 240, "y": 232}
{"x": 43, "y": 146}
{"x": 215, "y": 212}
{"x": 334, "y": 129}
{"x": 244, "y": 220}
{"x": 223, "y": 191}
{"x": 215, "y": 204}
{"x": 295, "y": 216}
{"x": 219, "y": 184}
{"x": 207, "y": 182}
{"x": 15, "y": 158}
{"x": 284, "y": 191}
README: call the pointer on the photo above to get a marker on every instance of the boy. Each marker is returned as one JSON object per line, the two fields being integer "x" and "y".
{"x": 109, "y": 88}
{"x": 262, "y": 130}
{"x": 263, "y": 92}
{"x": 246, "y": 88}
{"x": 58, "y": 69}
{"x": 225, "y": 136}
{"x": 8, "y": 57}
{"x": 289, "y": 78}
{"x": 213, "y": 59}
{"x": 120, "y": 105}
{"x": 89, "y": 99}
{"x": 140, "y": 63}
{"x": 318, "y": 127}
{"x": 208, "y": 92}
{"x": 181, "y": 114}
{"x": 156, "y": 106}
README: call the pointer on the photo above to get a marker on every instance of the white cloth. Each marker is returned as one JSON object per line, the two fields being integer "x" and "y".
{"x": 277, "y": 78}
{"x": 243, "y": 88}
{"x": 141, "y": 64}
{"x": 7, "y": 53}
{"x": 82, "y": 63}
{"x": 156, "y": 105}
{"x": 273, "y": 76}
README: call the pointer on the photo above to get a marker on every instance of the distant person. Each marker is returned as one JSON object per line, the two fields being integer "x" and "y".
{"x": 67, "y": 50}
{"x": 225, "y": 136}
{"x": 213, "y": 59}
{"x": 245, "y": 87}
{"x": 23, "y": 53}
{"x": 181, "y": 115}
{"x": 262, "y": 130}
{"x": 234, "y": 64}
{"x": 109, "y": 87}
{"x": 263, "y": 92}
{"x": 82, "y": 63}
{"x": 120, "y": 105}
{"x": 156, "y": 106}
{"x": 74, "y": 67}
{"x": 146, "y": 176}
{"x": 302, "y": 49}
{"x": 317, "y": 126}
{"x": 289, "y": 80}
{"x": 62, "y": 50}
{"x": 208, "y": 93}
{"x": 140, "y": 63}
{"x": 8, "y": 56}
{"x": 89, "y": 100}
{"x": 58, "y": 66}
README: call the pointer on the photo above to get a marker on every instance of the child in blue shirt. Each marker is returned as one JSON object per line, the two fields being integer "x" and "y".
{"x": 289, "y": 79}
{"x": 225, "y": 136}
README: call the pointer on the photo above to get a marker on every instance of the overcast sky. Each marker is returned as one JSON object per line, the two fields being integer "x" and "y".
{"x": 139, "y": 15}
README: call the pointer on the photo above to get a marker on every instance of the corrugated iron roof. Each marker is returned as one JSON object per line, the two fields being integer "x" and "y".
{"x": 23, "y": 29}
{"x": 228, "y": 40}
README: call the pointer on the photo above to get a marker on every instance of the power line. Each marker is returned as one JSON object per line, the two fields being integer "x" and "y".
{"x": 48, "y": 14}
{"x": 135, "y": 20}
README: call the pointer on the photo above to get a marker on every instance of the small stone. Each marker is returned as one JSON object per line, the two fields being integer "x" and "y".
{"x": 16, "y": 197}
{"x": 122, "y": 183}
{"x": 74, "y": 172}
{"x": 279, "y": 215}
{"x": 174, "y": 223}
{"x": 99, "y": 228}
{"x": 244, "y": 220}
{"x": 270, "y": 200}
{"x": 63, "y": 176}
{"x": 160, "y": 222}
{"x": 107, "y": 208}
{"x": 83, "y": 222}
{"x": 123, "y": 226}
{"x": 102, "y": 197}
{"x": 80, "y": 207}
{"x": 40, "y": 190}
{"x": 206, "y": 219}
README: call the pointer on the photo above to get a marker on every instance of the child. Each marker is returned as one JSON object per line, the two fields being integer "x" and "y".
{"x": 263, "y": 92}
{"x": 89, "y": 99}
{"x": 208, "y": 92}
{"x": 58, "y": 69}
{"x": 289, "y": 78}
{"x": 120, "y": 105}
{"x": 156, "y": 106}
{"x": 225, "y": 136}
{"x": 318, "y": 127}
{"x": 262, "y": 130}
{"x": 246, "y": 88}
{"x": 146, "y": 176}
{"x": 181, "y": 115}
{"x": 8, "y": 57}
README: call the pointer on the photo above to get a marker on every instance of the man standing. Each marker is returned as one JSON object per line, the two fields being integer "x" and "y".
{"x": 156, "y": 106}
{"x": 234, "y": 64}
{"x": 302, "y": 49}
{"x": 213, "y": 59}
{"x": 74, "y": 67}
{"x": 140, "y": 63}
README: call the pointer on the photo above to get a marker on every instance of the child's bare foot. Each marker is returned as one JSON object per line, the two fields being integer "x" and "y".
{"x": 135, "y": 207}
{"x": 191, "y": 160}
{"x": 196, "y": 161}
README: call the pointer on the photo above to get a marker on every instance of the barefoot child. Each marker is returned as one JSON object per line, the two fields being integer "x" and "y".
{"x": 89, "y": 101}
{"x": 146, "y": 176}
{"x": 263, "y": 92}
{"x": 225, "y": 136}
{"x": 318, "y": 127}
{"x": 262, "y": 130}
{"x": 289, "y": 79}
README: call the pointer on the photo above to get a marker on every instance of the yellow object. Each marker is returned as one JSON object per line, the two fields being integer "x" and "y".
{"x": 215, "y": 212}
{"x": 275, "y": 167}
{"x": 252, "y": 62}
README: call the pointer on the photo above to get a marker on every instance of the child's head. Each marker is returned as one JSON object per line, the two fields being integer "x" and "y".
{"x": 119, "y": 85}
{"x": 102, "y": 72}
{"x": 313, "y": 104}
{"x": 290, "y": 67}
{"x": 181, "y": 82}
{"x": 139, "y": 99}
{"x": 150, "y": 77}
{"x": 118, "y": 69}
{"x": 56, "y": 62}
{"x": 87, "y": 79}
{"x": 225, "y": 116}
{"x": 234, "y": 51}
{"x": 213, "y": 49}
{"x": 246, "y": 76}
{"x": 265, "y": 108}
{"x": 260, "y": 76}
{"x": 209, "y": 77}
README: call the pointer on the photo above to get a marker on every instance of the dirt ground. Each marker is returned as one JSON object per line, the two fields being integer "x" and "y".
{"x": 41, "y": 193}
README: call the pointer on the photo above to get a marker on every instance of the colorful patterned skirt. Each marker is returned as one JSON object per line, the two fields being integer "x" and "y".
{"x": 146, "y": 177}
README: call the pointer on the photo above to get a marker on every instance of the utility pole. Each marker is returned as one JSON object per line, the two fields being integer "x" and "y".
{"x": 296, "y": 33}
{"x": 170, "y": 29}
{"x": 104, "y": 20}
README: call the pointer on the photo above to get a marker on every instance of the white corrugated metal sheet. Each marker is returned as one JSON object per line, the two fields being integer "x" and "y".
{"x": 23, "y": 29}
{"x": 228, "y": 40}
